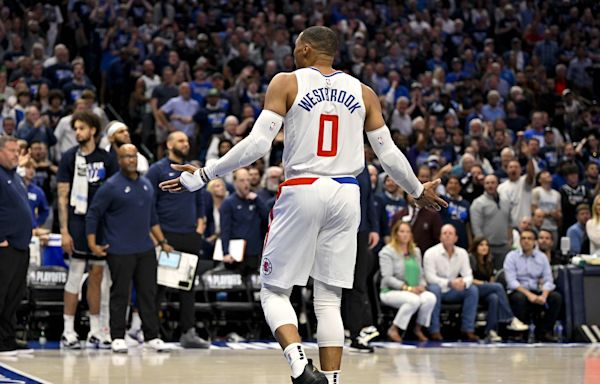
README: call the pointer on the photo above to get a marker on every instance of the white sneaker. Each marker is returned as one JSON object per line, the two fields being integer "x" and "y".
{"x": 99, "y": 341}
{"x": 70, "y": 340}
{"x": 493, "y": 337}
{"x": 367, "y": 334}
{"x": 517, "y": 325}
{"x": 157, "y": 345}
{"x": 119, "y": 346}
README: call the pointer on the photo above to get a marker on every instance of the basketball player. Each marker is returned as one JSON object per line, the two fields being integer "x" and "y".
{"x": 315, "y": 219}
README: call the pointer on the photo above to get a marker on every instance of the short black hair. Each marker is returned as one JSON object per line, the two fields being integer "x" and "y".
{"x": 535, "y": 236}
{"x": 90, "y": 118}
{"x": 322, "y": 39}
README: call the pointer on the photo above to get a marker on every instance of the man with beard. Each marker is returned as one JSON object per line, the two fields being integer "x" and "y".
{"x": 181, "y": 218}
{"x": 118, "y": 134}
{"x": 271, "y": 181}
{"x": 82, "y": 170}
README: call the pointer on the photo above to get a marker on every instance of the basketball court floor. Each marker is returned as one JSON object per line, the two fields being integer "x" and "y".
{"x": 263, "y": 363}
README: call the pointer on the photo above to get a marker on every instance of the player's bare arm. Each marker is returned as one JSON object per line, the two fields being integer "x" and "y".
{"x": 278, "y": 99}
{"x": 392, "y": 159}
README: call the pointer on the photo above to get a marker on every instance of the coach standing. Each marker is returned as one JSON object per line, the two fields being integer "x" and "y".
{"x": 181, "y": 217}
{"x": 15, "y": 233}
{"x": 125, "y": 207}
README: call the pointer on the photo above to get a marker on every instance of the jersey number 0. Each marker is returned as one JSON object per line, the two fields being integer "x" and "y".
{"x": 328, "y": 136}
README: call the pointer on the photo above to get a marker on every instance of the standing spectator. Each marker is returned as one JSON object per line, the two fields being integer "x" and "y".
{"x": 493, "y": 110}
{"x": 358, "y": 320}
{"x": 571, "y": 195}
{"x": 73, "y": 88}
{"x": 58, "y": 69}
{"x": 180, "y": 111}
{"x": 182, "y": 220}
{"x": 492, "y": 293}
{"x": 403, "y": 283}
{"x": 577, "y": 72}
{"x": 458, "y": 212}
{"x": 161, "y": 94}
{"x": 426, "y": 224}
{"x": 548, "y": 200}
{"x": 547, "y": 51}
{"x": 450, "y": 279}
{"x": 15, "y": 234}
{"x": 592, "y": 227}
{"x": 531, "y": 286}
{"x": 577, "y": 232}
{"x": 392, "y": 198}
{"x": 82, "y": 170}
{"x": 241, "y": 217}
{"x": 35, "y": 195}
{"x": 45, "y": 171}
{"x": 516, "y": 191}
{"x": 35, "y": 127}
{"x": 123, "y": 206}
{"x": 490, "y": 218}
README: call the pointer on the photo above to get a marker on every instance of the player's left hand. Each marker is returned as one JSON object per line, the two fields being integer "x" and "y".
{"x": 175, "y": 185}
{"x": 429, "y": 199}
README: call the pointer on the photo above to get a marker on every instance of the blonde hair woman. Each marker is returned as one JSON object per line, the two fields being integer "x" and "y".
{"x": 592, "y": 227}
{"x": 403, "y": 283}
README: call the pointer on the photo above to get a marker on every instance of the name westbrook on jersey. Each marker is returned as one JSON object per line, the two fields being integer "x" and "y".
{"x": 315, "y": 96}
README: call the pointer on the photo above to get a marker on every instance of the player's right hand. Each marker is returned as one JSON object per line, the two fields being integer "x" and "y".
{"x": 66, "y": 243}
{"x": 429, "y": 199}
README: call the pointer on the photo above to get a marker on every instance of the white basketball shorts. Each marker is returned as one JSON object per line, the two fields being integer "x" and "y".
{"x": 313, "y": 230}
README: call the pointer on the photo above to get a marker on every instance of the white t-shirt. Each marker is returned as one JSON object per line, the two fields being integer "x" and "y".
{"x": 518, "y": 194}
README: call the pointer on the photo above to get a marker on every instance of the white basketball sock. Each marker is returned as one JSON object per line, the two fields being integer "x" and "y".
{"x": 296, "y": 357}
{"x": 69, "y": 323}
{"x": 94, "y": 324}
{"x": 332, "y": 376}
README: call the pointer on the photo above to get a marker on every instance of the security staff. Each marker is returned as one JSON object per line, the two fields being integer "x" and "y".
{"x": 181, "y": 217}
{"x": 124, "y": 206}
{"x": 15, "y": 233}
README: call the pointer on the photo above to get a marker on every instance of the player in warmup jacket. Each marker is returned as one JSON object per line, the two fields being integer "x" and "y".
{"x": 315, "y": 219}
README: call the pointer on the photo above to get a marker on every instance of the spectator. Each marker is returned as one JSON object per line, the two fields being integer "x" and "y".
{"x": 490, "y": 218}
{"x": 546, "y": 246}
{"x": 36, "y": 197}
{"x": 577, "y": 232}
{"x": 592, "y": 181}
{"x": 531, "y": 286}
{"x": 35, "y": 127}
{"x": 517, "y": 190}
{"x": 9, "y": 126}
{"x": 403, "y": 283}
{"x": 82, "y": 170}
{"x": 271, "y": 180}
{"x": 45, "y": 170}
{"x": 243, "y": 223}
{"x": 392, "y": 198}
{"x": 472, "y": 183}
{"x": 233, "y": 131}
{"x": 123, "y": 206}
{"x": 73, "y": 88}
{"x": 491, "y": 292}
{"x": 493, "y": 110}
{"x": 213, "y": 199}
{"x": 548, "y": 200}
{"x": 457, "y": 212}
{"x": 427, "y": 224}
{"x": 592, "y": 227}
{"x": 571, "y": 195}
{"x": 15, "y": 233}
{"x": 450, "y": 279}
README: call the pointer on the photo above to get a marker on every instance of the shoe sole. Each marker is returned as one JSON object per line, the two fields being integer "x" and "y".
{"x": 8, "y": 353}
{"x": 358, "y": 350}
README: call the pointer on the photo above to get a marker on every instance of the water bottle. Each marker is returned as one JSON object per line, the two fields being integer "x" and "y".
{"x": 221, "y": 296}
{"x": 558, "y": 331}
{"x": 42, "y": 339}
{"x": 531, "y": 337}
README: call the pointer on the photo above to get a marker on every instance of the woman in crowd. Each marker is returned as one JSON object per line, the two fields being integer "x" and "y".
{"x": 492, "y": 293}
{"x": 403, "y": 283}
{"x": 592, "y": 227}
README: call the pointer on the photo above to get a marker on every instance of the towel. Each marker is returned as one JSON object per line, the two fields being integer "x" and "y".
{"x": 79, "y": 189}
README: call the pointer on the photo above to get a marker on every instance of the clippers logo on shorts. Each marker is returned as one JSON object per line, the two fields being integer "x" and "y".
{"x": 267, "y": 268}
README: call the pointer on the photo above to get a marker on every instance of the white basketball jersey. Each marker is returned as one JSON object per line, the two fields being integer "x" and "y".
{"x": 324, "y": 127}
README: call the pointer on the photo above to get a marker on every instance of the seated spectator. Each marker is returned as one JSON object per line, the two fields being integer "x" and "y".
{"x": 546, "y": 246}
{"x": 592, "y": 227}
{"x": 9, "y": 126}
{"x": 577, "y": 232}
{"x": 403, "y": 283}
{"x": 491, "y": 292}
{"x": 450, "y": 279}
{"x": 531, "y": 286}
{"x": 493, "y": 110}
{"x": 270, "y": 184}
{"x": 35, "y": 127}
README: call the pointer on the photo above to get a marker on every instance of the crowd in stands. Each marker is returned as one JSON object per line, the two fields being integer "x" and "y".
{"x": 498, "y": 98}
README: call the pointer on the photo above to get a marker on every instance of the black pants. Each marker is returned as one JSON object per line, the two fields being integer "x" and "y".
{"x": 141, "y": 267}
{"x": 524, "y": 310}
{"x": 13, "y": 282}
{"x": 356, "y": 305}
{"x": 188, "y": 243}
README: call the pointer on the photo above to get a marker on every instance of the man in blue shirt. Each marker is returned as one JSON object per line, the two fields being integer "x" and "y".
{"x": 124, "y": 208}
{"x": 15, "y": 234}
{"x": 181, "y": 217}
{"x": 577, "y": 233}
{"x": 36, "y": 196}
{"x": 241, "y": 216}
{"x": 529, "y": 277}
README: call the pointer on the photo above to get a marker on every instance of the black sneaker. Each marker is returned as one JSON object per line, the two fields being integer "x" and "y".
{"x": 357, "y": 346}
{"x": 311, "y": 375}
